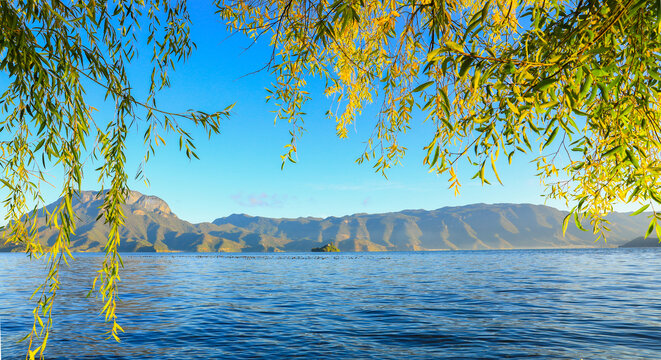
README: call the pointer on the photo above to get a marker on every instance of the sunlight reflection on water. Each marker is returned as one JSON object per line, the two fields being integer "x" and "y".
{"x": 462, "y": 304}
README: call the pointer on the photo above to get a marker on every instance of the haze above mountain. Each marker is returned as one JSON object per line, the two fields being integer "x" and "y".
{"x": 151, "y": 226}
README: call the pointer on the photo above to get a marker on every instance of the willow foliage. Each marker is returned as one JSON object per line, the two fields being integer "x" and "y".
{"x": 575, "y": 81}
{"x": 50, "y": 53}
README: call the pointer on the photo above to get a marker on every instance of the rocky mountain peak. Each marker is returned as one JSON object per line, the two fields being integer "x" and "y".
{"x": 87, "y": 196}
{"x": 149, "y": 203}
{"x": 135, "y": 199}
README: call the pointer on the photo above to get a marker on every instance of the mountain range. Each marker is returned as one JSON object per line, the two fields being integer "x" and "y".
{"x": 152, "y": 227}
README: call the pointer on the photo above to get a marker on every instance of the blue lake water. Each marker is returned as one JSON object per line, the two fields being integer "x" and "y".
{"x": 559, "y": 304}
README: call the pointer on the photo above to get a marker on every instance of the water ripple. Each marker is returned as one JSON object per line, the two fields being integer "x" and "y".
{"x": 563, "y": 304}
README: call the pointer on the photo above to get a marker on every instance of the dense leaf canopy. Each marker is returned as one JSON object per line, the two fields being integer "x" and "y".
{"x": 574, "y": 82}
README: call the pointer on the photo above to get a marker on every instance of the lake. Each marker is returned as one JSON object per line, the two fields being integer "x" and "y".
{"x": 560, "y": 304}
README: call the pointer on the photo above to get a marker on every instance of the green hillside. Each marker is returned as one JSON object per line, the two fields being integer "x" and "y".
{"x": 642, "y": 242}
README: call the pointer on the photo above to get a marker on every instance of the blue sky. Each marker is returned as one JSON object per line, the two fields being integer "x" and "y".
{"x": 239, "y": 170}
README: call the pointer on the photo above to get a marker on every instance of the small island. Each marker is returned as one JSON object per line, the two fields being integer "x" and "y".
{"x": 326, "y": 248}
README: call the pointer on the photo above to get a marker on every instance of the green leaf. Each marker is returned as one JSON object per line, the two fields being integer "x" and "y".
{"x": 435, "y": 159}
{"x": 7, "y": 184}
{"x": 544, "y": 84}
{"x": 549, "y": 104}
{"x": 565, "y": 222}
{"x": 551, "y": 138}
{"x": 465, "y": 65}
{"x": 632, "y": 158}
{"x": 581, "y": 113}
{"x": 586, "y": 86}
{"x": 655, "y": 75}
{"x": 431, "y": 56}
{"x": 612, "y": 151}
{"x": 654, "y": 196}
{"x": 495, "y": 172}
{"x": 454, "y": 46}
{"x": 485, "y": 10}
{"x": 578, "y": 222}
{"x": 473, "y": 23}
{"x": 421, "y": 87}
{"x": 650, "y": 227}
{"x": 640, "y": 210}
{"x": 446, "y": 100}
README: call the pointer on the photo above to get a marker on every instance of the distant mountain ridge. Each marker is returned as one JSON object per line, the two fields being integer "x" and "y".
{"x": 151, "y": 226}
{"x": 642, "y": 242}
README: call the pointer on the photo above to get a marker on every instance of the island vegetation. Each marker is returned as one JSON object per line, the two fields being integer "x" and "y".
{"x": 330, "y": 247}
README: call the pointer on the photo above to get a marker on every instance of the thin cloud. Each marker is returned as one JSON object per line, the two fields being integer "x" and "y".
{"x": 357, "y": 187}
{"x": 260, "y": 200}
